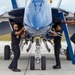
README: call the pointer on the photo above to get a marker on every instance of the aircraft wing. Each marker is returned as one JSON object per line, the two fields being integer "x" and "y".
{"x": 7, "y": 6}
{"x": 5, "y": 28}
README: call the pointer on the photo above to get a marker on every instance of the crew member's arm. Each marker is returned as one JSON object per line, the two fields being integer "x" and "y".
{"x": 19, "y": 32}
{"x": 24, "y": 34}
{"x": 53, "y": 33}
{"x": 72, "y": 22}
{"x": 58, "y": 29}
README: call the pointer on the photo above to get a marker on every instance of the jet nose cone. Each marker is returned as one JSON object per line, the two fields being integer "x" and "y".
{"x": 38, "y": 14}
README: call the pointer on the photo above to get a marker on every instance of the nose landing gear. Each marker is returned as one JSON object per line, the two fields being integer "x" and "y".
{"x": 38, "y": 59}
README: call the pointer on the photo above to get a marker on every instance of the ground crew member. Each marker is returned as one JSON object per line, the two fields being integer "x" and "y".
{"x": 15, "y": 38}
{"x": 72, "y": 23}
{"x": 57, "y": 27}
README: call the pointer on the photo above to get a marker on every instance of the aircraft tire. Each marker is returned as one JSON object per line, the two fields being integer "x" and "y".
{"x": 43, "y": 63}
{"x": 32, "y": 63}
{"x": 7, "y": 52}
{"x": 68, "y": 55}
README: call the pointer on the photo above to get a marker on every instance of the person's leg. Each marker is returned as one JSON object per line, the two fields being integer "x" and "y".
{"x": 73, "y": 38}
{"x": 57, "y": 46}
{"x": 16, "y": 56}
{"x": 16, "y": 52}
{"x": 11, "y": 64}
{"x": 57, "y": 53}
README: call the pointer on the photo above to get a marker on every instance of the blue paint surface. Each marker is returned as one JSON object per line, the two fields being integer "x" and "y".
{"x": 67, "y": 39}
{"x": 14, "y": 4}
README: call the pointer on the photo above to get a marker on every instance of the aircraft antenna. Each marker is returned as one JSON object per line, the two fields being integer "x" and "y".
{"x": 59, "y": 4}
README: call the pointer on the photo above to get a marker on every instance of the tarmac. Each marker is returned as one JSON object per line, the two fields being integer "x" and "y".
{"x": 67, "y": 67}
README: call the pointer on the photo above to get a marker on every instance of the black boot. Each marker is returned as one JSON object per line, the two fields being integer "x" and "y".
{"x": 9, "y": 67}
{"x": 16, "y": 70}
{"x": 56, "y": 67}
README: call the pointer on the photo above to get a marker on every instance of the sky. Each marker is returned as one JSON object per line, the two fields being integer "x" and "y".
{"x": 68, "y": 5}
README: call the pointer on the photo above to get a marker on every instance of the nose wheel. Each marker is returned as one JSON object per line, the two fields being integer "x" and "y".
{"x": 38, "y": 59}
{"x": 42, "y": 61}
{"x": 32, "y": 63}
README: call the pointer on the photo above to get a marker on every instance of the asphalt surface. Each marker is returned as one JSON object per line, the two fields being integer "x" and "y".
{"x": 67, "y": 67}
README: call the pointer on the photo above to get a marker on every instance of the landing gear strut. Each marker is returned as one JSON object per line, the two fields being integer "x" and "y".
{"x": 37, "y": 58}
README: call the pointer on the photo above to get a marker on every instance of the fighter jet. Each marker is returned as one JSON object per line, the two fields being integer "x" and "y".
{"x": 37, "y": 18}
